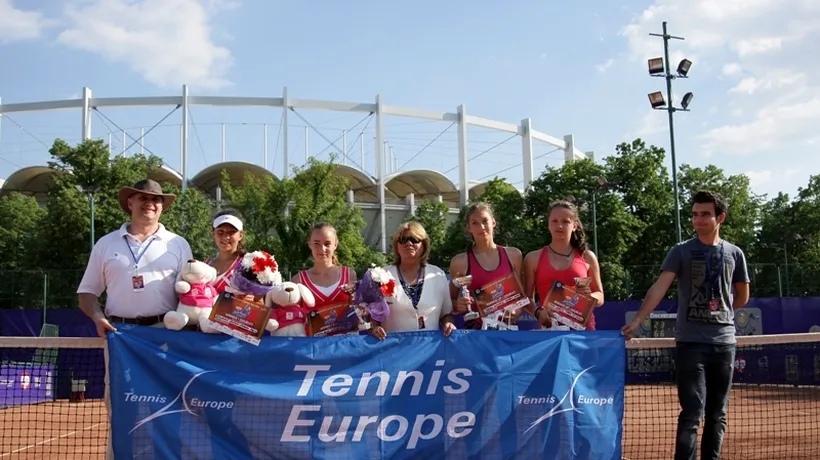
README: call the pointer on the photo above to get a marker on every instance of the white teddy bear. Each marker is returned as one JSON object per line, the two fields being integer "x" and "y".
{"x": 289, "y": 303}
{"x": 196, "y": 297}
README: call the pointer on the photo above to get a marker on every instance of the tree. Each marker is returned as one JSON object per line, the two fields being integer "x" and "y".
{"x": 432, "y": 215}
{"x": 645, "y": 186}
{"x": 280, "y": 214}
{"x": 191, "y": 217}
{"x": 20, "y": 217}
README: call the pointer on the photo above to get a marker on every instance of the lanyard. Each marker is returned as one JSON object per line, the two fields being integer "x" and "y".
{"x": 414, "y": 298}
{"x": 135, "y": 256}
{"x": 714, "y": 287}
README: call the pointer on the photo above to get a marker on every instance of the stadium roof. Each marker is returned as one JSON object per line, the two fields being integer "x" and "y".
{"x": 426, "y": 184}
{"x": 208, "y": 179}
{"x": 31, "y": 180}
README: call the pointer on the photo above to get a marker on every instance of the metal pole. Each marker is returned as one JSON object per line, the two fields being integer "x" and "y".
{"x": 344, "y": 147}
{"x": 91, "y": 202}
{"x": 265, "y": 145}
{"x": 670, "y": 109}
{"x": 786, "y": 266}
{"x": 595, "y": 222}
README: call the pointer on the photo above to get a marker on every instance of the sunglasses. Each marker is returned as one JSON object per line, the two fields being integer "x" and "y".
{"x": 405, "y": 239}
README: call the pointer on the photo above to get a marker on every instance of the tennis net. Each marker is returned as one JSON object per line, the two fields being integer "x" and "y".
{"x": 52, "y": 398}
{"x": 52, "y": 394}
{"x": 774, "y": 404}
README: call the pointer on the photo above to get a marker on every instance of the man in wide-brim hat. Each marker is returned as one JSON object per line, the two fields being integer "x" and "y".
{"x": 136, "y": 266}
{"x": 145, "y": 187}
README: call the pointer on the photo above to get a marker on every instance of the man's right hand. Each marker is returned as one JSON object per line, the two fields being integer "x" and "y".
{"x": 628, "y": 330}
{"x": 103, "y": 325}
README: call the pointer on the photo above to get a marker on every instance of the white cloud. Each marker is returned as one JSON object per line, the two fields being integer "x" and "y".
{"x": 605, "y": 66}
{"x": 653, "y": 122}
{"x": 758, "y": 45}
{"x": 168, "y": 42}
{"x": 758, "y": 178}
{"x": 731, "y": 69}
{"x": 758, "y": 48}
{"x": 18, "y": 25}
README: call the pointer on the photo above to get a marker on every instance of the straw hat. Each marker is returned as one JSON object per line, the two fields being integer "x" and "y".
{"x": 147, "y": 187}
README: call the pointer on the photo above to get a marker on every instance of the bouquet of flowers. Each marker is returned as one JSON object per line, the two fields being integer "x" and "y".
{"x": 256, "y": 274}
{"x": 371, "y": 291}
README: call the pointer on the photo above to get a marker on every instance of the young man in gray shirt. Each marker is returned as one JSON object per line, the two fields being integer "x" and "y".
{"x": 712, "y": 282}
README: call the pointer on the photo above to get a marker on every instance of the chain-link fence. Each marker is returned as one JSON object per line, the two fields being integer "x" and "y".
{"x": 33, "y": 289}
{"x": 767, "y": 280}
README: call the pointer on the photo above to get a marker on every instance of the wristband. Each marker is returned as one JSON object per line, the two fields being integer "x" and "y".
{"x": 538, "y": 311}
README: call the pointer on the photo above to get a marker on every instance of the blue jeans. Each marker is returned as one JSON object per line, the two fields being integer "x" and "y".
{"x": 704, "y": 377}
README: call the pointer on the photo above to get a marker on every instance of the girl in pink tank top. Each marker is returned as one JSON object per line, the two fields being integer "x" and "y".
{"x": 485, "y": 261}
{"x": 565, "y": 259}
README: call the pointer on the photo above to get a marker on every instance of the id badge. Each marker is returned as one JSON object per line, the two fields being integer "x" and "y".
{"x": 714, "y": 306}
{"x": 421, "y": 322}
{"x": 137, "y": 283}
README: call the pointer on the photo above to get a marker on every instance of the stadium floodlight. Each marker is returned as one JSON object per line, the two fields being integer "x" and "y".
{"x": 656, "y": 100}
{"x": 655, "y": 66}
{"x": 687, "y": 99}
{"x": 683, "y": 67}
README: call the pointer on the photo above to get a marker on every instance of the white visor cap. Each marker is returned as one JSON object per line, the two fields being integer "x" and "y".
{"x": 230, "y": 220}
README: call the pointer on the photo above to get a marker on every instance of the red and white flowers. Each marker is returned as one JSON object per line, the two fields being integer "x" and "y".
{"x": 260, "y": 267}
{"x": 387, "y": 284}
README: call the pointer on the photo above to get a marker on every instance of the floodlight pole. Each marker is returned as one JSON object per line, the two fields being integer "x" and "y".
{"x": 670, "y": 109}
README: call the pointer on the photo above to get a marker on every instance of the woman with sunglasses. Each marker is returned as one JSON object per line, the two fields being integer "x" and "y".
{"x": 422, "y": 301}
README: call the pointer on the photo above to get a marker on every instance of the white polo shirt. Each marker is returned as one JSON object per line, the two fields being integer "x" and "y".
{"x": 111, "y": 269}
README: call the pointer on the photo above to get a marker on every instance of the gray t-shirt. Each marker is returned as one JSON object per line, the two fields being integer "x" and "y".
{"x": 697, "y": 320}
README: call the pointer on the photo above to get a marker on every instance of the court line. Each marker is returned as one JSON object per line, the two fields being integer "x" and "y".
{"x": 65, "y": 435}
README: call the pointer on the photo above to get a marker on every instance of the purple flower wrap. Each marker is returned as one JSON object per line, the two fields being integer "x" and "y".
{"x": 369, "y": 292}
{"x": 247, "y": 286}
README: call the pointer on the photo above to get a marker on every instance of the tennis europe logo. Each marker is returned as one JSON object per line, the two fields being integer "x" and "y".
{"x": 390, "y": 428}
{"x": 567, "y": 403}
{"x": 188, "y": 405}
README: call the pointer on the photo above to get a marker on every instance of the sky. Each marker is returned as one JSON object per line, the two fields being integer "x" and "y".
{"x": 572, "y": 67}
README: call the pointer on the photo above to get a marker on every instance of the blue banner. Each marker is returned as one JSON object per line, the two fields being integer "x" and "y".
{"x": 473, "y": 395}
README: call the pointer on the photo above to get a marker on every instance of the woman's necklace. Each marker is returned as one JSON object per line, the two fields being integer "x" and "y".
{"x": 568, "y": 256}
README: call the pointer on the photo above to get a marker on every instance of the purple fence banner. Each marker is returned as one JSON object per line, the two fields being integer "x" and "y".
{"x": 22, "y": 384}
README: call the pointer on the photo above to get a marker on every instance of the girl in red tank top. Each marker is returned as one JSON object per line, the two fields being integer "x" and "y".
{"x": 329, "y": 282}
{"x": 565, "y": 259}
{"x": 485, "y": 261}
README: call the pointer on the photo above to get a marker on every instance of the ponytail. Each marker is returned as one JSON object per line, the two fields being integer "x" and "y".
{"x": 578, "y": 239}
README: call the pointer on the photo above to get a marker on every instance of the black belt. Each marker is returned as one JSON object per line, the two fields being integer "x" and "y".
{"x": 140, "y": 320}
{"x": 146, "y": 321}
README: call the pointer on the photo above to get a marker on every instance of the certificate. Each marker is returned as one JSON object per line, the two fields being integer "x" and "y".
{"x": 569, "y": 308}
{"x": 501, "y": 295}
{"x": 334, "y": 319}
{"x": 237, "y": 317}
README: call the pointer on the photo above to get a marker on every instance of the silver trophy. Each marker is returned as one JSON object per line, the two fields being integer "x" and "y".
{"x": 461, "y": 283}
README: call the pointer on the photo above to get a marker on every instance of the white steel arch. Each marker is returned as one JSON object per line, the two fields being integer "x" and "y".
{"x": 286, "y": 103}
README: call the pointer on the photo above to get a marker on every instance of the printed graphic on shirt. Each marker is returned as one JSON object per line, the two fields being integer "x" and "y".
{"x": 707, "y": 303}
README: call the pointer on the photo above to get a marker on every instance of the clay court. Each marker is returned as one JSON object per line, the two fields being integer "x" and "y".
{"x": 765, "y": 422}
{"x": 52, "y": 431}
